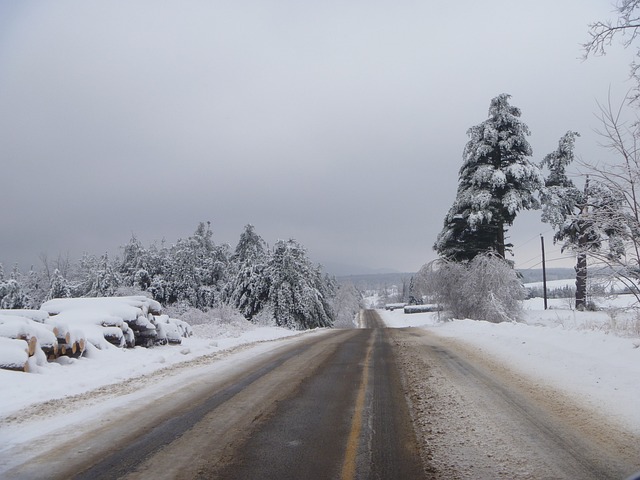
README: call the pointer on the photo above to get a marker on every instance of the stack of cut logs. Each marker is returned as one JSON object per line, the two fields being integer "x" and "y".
{"x": 31, "y": 338}
{"x": 25, "y": 342}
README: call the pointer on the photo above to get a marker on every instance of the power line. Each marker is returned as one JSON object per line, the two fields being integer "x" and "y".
{"x": 548, "y": 260}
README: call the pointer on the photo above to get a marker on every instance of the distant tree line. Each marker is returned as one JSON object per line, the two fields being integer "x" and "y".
{"x": 280, "y": 283}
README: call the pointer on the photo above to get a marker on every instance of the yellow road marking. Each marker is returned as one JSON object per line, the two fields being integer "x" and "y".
{"x": 349, "y": 464}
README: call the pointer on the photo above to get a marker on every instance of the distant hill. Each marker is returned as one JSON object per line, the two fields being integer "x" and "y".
{"x": 344, "y": 270}
{"x": 375, "y": 281}
{"x": 535, "y": 275}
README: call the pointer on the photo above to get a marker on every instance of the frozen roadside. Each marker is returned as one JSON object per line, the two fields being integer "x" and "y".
{"x": 595, "y": 368}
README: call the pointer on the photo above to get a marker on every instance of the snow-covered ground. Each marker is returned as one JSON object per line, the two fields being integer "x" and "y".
{"x": 591, "y": 356}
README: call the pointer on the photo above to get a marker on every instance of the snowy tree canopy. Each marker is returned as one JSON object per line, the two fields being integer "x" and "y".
{"x": 496, "y": 181}
{"x": 248, "y": 286}
{"x": 298, "y": 293}
{"x": 250, "y": 247}
{"x": 581, "y": 217}
{"x": 59, "y": 287}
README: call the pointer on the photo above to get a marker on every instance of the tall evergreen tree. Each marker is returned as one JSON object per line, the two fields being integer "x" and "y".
{"x": 107, "y": 278}
{"x": 250, "y": 247}
{"x": 496, "y": 181}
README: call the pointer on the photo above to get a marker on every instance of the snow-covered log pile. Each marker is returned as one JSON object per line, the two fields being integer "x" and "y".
{"x": 431, "y": 307}
{"x": 65, "y": 326}
{"x": 121, "y": 321}
{"x": 393, "y": 306}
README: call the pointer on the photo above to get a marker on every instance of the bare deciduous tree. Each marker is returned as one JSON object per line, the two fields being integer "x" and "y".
{"x": 620, "y": 175}
{"x": 626, "y": 27}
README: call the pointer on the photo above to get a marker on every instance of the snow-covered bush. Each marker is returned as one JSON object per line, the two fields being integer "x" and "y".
{"x": 487, "y": 288}
{"x": 265, "y": 318}
{"x": 346, "y": 305}
{"x": 219, "y": 322}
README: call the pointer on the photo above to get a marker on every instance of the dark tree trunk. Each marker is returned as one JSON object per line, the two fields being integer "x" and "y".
{"x": 581, "y": 281}
{"x": 581, "y": 265}
{"x": 500, "y": 248}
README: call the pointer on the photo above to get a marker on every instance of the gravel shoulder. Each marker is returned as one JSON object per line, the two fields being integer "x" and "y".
{"x": 476, "y": 418}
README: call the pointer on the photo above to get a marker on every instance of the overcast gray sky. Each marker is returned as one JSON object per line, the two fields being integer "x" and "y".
{"x": 338, "y": 123}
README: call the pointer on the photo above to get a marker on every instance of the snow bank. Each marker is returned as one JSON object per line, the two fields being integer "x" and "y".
{"x": 597, "y": 368}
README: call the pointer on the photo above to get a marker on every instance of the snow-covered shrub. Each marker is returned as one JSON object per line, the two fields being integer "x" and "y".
{"x": 265, "y": 318}
{"x": 346, "y": 305}
{"x": 226, "y": 314}
{"x": 223, "y": 321}
{"x": 487, "y": 288}
{"x": 191, "y": 315}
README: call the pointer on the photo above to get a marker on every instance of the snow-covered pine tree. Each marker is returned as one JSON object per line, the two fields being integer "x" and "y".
{"x": 192, "y": 272}
{"x": 251, "y": 247}
{"x": 12, "y": 294}
{"x": 581, "y": 217}
{"x": 133, "y": 267}
{"x": 102, "y": 279}
{"x": 298, "y": 293}
{"x": 36, "y": 288}
{"x": 158, "y": 262}
{"x": 496, "y": 181}
{"x": 59, "y": 286}
{"x": 248, "y": 286}
{"x": 106, "y": 279}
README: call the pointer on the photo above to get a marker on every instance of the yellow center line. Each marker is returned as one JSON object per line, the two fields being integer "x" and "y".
{"x": 349, "y": 464}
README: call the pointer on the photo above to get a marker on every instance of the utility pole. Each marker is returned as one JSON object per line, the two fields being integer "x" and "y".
{"x": 544, "y": 273}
